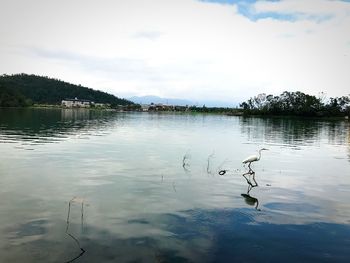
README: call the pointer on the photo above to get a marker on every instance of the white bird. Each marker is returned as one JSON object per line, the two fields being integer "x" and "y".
{"x": 253, "y": 158}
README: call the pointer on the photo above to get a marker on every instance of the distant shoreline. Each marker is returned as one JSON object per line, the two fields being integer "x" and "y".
{"x": 237, "y": 113}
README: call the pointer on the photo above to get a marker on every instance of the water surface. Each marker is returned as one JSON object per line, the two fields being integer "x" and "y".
{"x": 94, "y": 186}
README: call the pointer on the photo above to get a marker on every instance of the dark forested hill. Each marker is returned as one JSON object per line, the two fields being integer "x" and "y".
{"x": 12, "y": 98}
{"x": 44, "y": 90}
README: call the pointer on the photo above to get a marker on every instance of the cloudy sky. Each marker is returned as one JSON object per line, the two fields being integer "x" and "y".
{"x": 224, "y": 50}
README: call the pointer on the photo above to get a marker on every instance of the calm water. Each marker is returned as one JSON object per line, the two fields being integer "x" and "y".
{"x": 84, "y": 186}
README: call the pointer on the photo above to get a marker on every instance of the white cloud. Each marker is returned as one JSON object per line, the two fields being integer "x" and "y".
{"x": 150, "y": 35}
{"x": 309, "y": 8}
{"x": 185, "y": 49}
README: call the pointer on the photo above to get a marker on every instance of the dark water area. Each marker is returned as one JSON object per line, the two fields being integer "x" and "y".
{"x": 96, "y": 186}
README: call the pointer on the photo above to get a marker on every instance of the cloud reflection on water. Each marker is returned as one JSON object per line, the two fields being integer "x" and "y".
{"x": 145, "y": 206}
{"x": 201, "y": 236}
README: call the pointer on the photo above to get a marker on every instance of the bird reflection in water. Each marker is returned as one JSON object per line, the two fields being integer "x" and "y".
{"x": 76, "y": 200}
{"x": 251, "y": 174}
{"x": 250, "y": 200}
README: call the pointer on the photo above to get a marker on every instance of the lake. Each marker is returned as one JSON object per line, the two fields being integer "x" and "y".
{"x": 97, "y": 186}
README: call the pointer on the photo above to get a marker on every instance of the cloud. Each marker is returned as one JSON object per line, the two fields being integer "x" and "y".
{"x": 122, "y": 69}
{"x": 125, "y": 67}
{"x": 288, "y": 10}
{"x": 319, "y": 10}
{"x": 150, "y": 35}
{"x": 184, "y": 49}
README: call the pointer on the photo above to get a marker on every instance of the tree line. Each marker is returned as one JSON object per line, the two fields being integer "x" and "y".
{"x": 297, "y": 104}
{"x": 12, "y": 98}
{"x": 24, "y": 90}
{"x": 21, "y": 90}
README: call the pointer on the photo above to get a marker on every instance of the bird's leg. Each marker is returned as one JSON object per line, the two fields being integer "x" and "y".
{"x": 250, "y": 169}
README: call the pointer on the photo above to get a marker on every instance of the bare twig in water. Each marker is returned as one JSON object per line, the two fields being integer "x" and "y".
{"x": 208, "y": 162}
{"x": 174, "y": 187}
{"x": 75, "y": 200}
{"x": 185, "y": 163}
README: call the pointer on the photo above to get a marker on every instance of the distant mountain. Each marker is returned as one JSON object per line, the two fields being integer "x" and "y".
{"x": 180, "y": 102}
{"x": 44, "y": 90}
{"x": 218, "y": 103}
{"x": 154, "y": 99}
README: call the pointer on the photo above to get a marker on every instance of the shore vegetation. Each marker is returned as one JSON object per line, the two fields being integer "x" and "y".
{"x": 297, "y": 104}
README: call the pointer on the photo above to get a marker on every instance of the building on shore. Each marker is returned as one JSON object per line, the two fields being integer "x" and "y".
{"x": 160, "y": 107}
{"x": 163, "y": 107}
{"x": 145, "y": 107}
{"x": 77, "y": 103}
{"x": 102, "y": 105}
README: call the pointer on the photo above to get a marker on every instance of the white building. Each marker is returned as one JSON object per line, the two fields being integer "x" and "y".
{"x": 145, "y": 107}
{"x": 102, "y": 105}
{"x": 76, "y": 103}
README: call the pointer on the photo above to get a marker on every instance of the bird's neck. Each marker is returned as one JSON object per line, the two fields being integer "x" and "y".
{"x": 259, "y": 155}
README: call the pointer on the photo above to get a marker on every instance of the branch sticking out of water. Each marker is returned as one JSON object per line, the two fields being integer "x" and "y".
{"x": 208, "y": 162}
{"x": 185, "y": 163}
{"x": 174, "y": 187}
{"x": 75, "y": 200}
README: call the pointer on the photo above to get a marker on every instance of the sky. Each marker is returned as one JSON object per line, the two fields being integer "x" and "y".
{"x": 223, "y": 50}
